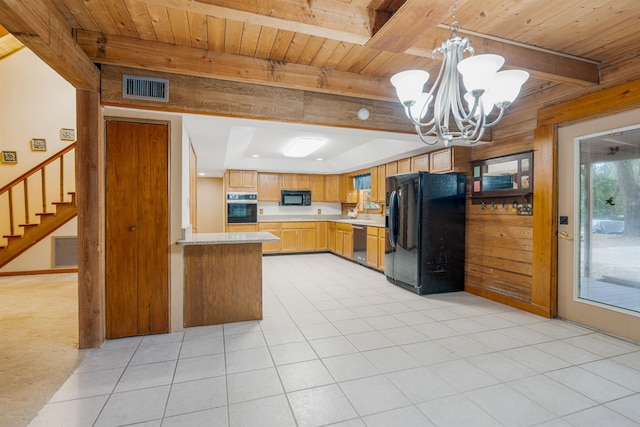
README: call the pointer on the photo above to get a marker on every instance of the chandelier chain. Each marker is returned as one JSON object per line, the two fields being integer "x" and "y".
{"x": 455, "y": 25}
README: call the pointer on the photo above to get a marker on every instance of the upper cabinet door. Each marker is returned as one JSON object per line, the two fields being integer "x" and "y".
{"x": 317, "y": 188}
{"x": 268, "y": 187}
{"x": 238, "y": 180}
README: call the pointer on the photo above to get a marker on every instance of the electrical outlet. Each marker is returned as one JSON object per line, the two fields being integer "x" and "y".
{"x": 261, "y": 211}
{"x": 319, "y": 211}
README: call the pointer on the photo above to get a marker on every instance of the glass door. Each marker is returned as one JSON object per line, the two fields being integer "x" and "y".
{"x": 599, "y": 224}
{"x": 610, "y": 219}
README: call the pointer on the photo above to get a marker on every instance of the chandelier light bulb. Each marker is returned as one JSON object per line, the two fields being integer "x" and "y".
{"x": 409, "y": 85}
{"x": 507, "y": 86}
{"x": 478, "y": 72}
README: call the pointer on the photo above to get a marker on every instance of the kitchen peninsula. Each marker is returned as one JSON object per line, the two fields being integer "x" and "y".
{"x": 223, "y": 277}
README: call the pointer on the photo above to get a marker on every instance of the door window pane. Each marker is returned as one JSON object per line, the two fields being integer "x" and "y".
{"x": 610, "y": 219}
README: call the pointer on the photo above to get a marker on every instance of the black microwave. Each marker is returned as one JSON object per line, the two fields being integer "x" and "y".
{"x": 295, "y": 198}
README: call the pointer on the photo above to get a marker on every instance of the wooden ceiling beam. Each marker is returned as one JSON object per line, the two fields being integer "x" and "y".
{"x": 541, "y": 64}
{"x": 40, "y": 27}
{"x": 399, "y": 32}
{"x": 135, "y": 53}
{"x": 403, "y": 31}
{"x": 9, "y": 45}
{"x": 320, "y": 18}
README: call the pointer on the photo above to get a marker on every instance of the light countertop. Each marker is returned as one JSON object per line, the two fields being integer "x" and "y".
{"x": 374, "y": 221}
{"x": 227, "y": 238}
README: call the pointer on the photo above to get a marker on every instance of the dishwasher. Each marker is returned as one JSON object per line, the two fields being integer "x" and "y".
{"x": 360, "y": 244}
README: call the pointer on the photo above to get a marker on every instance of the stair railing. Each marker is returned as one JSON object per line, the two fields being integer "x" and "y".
{"x": 24, "y": 180}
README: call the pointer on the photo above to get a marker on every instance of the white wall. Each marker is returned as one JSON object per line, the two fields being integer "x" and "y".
{"x": 210, "y": 205}
{"x": 40, "y": 255}
{"x": 35, "y": 102}
{"x": 273, "y": 208}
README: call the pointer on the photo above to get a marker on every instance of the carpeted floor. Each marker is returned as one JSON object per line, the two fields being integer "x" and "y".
{"x": 38, "y": 342}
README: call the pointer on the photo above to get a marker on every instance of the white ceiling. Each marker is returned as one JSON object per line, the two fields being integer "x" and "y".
{"x": 224, "y": 143}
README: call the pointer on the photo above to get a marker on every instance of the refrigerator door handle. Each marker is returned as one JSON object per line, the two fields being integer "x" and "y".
{"x": 393, "y": 218}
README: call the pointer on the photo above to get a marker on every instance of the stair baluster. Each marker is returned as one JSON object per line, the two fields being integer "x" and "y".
{"x": 49, "y": 221}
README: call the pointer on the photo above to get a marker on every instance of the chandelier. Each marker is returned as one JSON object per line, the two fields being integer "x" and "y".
{"x": 485, "y": 88}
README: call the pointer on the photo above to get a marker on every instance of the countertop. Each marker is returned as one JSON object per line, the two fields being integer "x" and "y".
{"x": 376, "y": 222}
{"x": 227, "y": 238}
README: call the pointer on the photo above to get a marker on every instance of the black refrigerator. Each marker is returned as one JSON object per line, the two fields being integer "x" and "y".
{"x": 425, "y": 216}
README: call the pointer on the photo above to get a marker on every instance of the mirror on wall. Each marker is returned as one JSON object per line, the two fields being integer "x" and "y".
{"x": 503, "y": 176}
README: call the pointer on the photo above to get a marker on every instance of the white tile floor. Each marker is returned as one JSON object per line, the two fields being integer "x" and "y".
{"x": 340, "y": 346}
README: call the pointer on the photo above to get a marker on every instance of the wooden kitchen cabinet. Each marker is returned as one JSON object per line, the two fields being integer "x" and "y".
{"x": 391, "y": 168}
{"x": 322, "y": 236}
{"x": 451, "y": 159}
{"x": 372, "y": 246}
{"x": 289, "y": 239}
{"x": 273, "y": 228}
{"x": 374, "y": 183}
{"x": 307, "y": 238}
{"x": 348, "y": 193}
{"x": 303, "y": 182}
{"x": 239, "y": 180}
{"x": 268, "y": 187}
{"x": 344, "y": 240}
{"x": 404, "y": 165}
{"x": 348, "y": 243}
{"x": 331, "y": 231}
{"x": 317, "y": 188}
{"x": 332, "y": 188}
{"x": 298, "y": 236}
{"x": 420, "y": 163}
{"x": 288, "y": 181}
{"x": 382, "y": 184}
{"x": 382, "y": 247}
{"x": 241, "y": 228}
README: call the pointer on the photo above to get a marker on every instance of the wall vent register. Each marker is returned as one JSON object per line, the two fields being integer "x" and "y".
{"x": 149, "y": 88}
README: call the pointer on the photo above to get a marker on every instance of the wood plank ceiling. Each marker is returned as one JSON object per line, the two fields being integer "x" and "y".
{"x": 352, "y": 47}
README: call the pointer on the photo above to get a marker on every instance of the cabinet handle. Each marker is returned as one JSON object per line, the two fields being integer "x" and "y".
{"x": 133, "y": 228}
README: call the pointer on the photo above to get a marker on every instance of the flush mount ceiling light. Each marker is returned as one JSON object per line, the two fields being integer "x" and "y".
{"x": 302, "y": 147}
{"x": 363, "y": 113}
{"x": 485, "y": 88}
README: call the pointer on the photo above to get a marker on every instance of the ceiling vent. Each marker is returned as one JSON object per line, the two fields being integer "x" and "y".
{"x": 148, "y": 88}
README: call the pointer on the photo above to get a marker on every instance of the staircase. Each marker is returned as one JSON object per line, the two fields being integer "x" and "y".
{"x": 19, "y": 230}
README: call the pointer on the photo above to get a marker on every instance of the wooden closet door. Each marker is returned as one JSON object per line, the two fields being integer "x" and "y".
{"x": 137, "y": 229}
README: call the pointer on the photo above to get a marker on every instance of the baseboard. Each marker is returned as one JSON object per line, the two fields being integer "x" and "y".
{"x": 34, "y": 272}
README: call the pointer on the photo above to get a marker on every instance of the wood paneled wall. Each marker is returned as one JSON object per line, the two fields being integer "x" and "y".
{"x": 498, "y": 252}
{"x": 510, "y": 258}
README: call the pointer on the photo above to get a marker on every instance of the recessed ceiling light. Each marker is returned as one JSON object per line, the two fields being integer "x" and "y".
{"x": 319, "y": 159}
{"x": 302, "y": 147}
{"x": 255, "y": 155}
{"x": 201, "y": 174}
